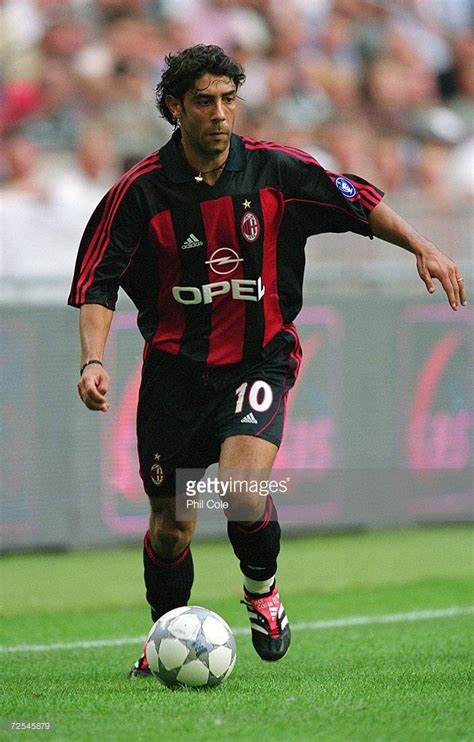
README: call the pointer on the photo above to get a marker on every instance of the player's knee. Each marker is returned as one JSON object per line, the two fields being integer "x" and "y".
{"x": 169, "y": 538}
{"x": 168, "y": 541}
{"x": 245, "y": 507}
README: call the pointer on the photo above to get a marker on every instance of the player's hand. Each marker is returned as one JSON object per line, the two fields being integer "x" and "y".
{"x": 93, "y": 386}
{"x": 432, "y": 263}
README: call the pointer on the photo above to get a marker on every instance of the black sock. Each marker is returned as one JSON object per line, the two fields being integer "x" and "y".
{"x": 168, "y": 583}
{"x": 257, "y": 546}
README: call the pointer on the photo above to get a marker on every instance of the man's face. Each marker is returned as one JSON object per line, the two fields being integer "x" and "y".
{"x": 207, "y": 115}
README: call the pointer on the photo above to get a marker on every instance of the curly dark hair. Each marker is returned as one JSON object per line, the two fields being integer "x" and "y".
{"x": 184, "y": 67}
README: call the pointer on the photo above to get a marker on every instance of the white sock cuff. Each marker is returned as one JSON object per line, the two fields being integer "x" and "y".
{"x": 258, "y": 586}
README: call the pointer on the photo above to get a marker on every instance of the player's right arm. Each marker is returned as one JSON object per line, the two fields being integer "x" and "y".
{"x": 94, "y": 326}
{"x": 109, "y": 243}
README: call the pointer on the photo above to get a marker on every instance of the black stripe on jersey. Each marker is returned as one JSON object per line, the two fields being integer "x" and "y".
{"x": 189, "y": 231}
{"x": 252, "y": 253}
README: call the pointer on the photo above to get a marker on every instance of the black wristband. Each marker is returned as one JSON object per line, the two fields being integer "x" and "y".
{"x": 89, "y": 363}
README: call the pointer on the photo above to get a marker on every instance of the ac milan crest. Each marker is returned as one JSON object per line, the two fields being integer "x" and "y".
{"x": 250, "y": 226}
{"x": 157, "y": 474}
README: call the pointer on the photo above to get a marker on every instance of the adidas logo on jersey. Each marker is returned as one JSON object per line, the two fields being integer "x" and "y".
{"x": 250, "y": 418}
{"x": 192, "y": 241}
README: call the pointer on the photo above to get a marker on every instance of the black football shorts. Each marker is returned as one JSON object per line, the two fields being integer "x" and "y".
{"x": 186, "y": 410}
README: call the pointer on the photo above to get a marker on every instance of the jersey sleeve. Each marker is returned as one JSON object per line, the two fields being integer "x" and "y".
{"x": 108, "y": 244}
{"x": 323, "y": 201}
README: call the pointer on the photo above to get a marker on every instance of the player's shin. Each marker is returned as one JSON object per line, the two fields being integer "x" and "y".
{"x": 257, "y": 546}
{"x": 168, "y": 582}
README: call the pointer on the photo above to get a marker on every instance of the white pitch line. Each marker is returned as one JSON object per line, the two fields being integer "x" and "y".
{"x": 334, "y": 623}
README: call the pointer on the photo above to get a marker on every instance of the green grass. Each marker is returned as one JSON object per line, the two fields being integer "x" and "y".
{"x": 395, "y": 681}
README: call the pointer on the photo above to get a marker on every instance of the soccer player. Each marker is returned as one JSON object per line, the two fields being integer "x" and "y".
{"x": 207, "y": 237}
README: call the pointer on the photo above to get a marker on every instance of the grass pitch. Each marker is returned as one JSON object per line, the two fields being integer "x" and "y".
{"x": 382, "y": 656}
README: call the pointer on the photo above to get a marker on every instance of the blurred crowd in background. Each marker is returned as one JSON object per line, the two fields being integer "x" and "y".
{"x": 384, "y": 89}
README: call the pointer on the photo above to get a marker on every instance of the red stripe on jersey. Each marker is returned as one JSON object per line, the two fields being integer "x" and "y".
{"x": 98, "y": 255}
{"x": 171, "y": 314}
{"x": 368, "y": 201}
{"x": 370, "y": 190}
{"x": 298, "y": 153}
{"x": 263, "y": 144}
{"x": 272, "y": 210}
{"x": 369, "y": 195}
{"x": 91, "y": 249}
{"x": 328, "y": 206}
{"x": 226, "y": 341}
{"x": 101, "y": 237}
{"x": 98, "y": 236}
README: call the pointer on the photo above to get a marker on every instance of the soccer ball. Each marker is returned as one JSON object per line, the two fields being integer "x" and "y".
{"x": 191, "y": 646}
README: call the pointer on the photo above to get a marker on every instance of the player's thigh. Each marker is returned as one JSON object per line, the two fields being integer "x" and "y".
{"x": 255, "y": 405}
{"x": 172, "y": 418}
{"x": 244, "y": 463}
{"x": 246, "y": 453}
{"x": 250, "y": 424}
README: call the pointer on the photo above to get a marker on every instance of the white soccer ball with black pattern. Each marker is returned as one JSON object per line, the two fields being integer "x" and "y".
{"x": 191, "y": 646}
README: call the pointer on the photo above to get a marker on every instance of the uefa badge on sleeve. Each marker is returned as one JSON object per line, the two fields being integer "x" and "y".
{"x": 157, "y": 474}
{"x": 345, "y": 186}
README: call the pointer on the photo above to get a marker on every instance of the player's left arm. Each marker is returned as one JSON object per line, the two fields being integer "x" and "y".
{"x": 430, "y": 261}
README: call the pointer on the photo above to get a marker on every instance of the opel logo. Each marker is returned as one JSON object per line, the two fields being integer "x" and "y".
{"x": 224, "y": 260}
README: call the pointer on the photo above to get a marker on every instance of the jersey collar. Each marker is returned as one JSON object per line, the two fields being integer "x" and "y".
{"x": 178, "y": 170}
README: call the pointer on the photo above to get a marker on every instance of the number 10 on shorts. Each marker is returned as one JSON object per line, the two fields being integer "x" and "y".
{"x": 259, "y": 395}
